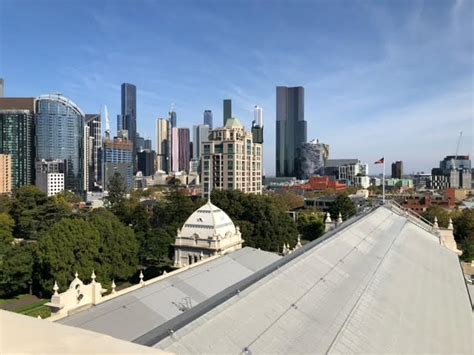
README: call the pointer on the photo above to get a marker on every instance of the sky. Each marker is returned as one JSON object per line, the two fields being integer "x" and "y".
{"x": 381, "y": 78}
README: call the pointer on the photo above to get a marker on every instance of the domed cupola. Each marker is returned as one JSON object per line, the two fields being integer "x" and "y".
{"x": 207, "y": 232}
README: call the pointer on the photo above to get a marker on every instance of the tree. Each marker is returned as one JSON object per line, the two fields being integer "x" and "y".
{"x": 6, "y": 229}
{"x": 344, "y": 205}
{"x": 464, "y": 233}
{"x": 173, "y": 210}
{"x": 118, "y": 249}
{"x": 310, "y": 226}
{"x": 16, "y": 269}
{"x": 156, "y": 247}
{"x": 439, "y": 212}
{"x": 263, "y": 220}
{"x": 117, "y": 189}
{"x": 290, "y": 200}
{"x": 71, "y": 245}
{"x": 26, "y": 211}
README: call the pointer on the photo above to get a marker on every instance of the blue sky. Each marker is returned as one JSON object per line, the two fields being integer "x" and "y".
{"x": 391, "y": 78}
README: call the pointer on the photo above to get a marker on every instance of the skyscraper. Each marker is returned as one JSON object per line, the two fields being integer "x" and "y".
{"x": 17, "y": 137}
{"x": 173, "y": 117}
{"x": 117, "y": 158}
{"x": 227, "y": 110}
{"x": 257, "y": 125}
{"x": 146, "y": 162}
{"x": 397, "y": 170}
{"x": 92, "y": 152}
{"x": 1, "y": 87}
{"x": 59, "y": 135}
{"x": 183, "y": 139}
{"x": 290, "y": 128}
{"x": 200, "y": 134}
{"x": 148, "y": 144}
{"x": 174, "y": 158}
{"x": 208, "y": 118}
{"x": 162, "y": 145}
{"x": 129, "y": 115}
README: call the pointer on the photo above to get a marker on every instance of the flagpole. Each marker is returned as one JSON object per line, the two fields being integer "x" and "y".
{"x": 383, "y": 182}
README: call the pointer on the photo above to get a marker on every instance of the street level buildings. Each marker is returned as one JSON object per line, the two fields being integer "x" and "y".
{"x": 50, "y": 176}
{"x": 59, "y": 136}
{"x": 17, "y": 137}
{"x": 290, "y": 128}
{"x": 231, "y": 160}
{"x": 5, "y": 173}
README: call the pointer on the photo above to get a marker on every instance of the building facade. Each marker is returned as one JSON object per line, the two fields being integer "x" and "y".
{"x": 231, "y": 160}
{"x": 397, "y": 170}
{"x": 311, "y": 159}
{"x": 174, "y": 158}
{"x": 92, "y": 152}
{"x": 345, "y": 169}
{"x": 183, "y": 149}
{"x": 257, "y": 125}
{"x": 290, "y": 128}
{"x": 208, "y": 118}
{"x": 50, "y": 176}
{"x": 60, "y": 136}
{"x": 146, "y": 162}
{"x": 129, "y": 115}
{"x": 17, "y": 137}
{"x": 6, "y": 176}
{"x": 118, "y": 158}
{"x": 162, "y": 155}
{"x": 227, "y": 110}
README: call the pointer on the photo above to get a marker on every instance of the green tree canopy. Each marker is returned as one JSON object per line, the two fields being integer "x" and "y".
{"x": 16, "y": 269}
{"x": 310, "y": 226}
{"x": 344, "y": 205}
{"x": 438, "y": 212}
{"x": 71, "y": 245}
{"x": 118, "y": 250}
{"x": 464, "y": 233}
{"x": 117, "y": 189}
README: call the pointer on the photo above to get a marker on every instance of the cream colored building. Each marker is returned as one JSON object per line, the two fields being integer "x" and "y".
{"x": 209, "y": 231}
{"x": 5, "y": 173}
{"x": 231, "y": 160}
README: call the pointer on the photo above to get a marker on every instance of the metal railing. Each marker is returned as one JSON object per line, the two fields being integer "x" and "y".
{"x": 413, "y": 216}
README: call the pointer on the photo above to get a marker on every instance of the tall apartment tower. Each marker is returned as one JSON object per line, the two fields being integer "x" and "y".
{"x": 174, "y": 151}
{"x": 183, "y": 149}
{"x": 290, "y": 128}
{"x": 231, "y": 160}
{"x": 257, "y": 125}
{"x": 173, "y": 117}
{"x": 129, "y": 116}
{"x": 162, "y": 146}
{"x": 208, "y": 118}
{"x": 117, "y": 158}
{"x": 227, "y": 110}
{"x": 397, "y": 170}
{"x": 2, "y": 85}
{"x": 17, "y": 137}
{"x": 92, "y": 151}
{"x": 5, "y": 173}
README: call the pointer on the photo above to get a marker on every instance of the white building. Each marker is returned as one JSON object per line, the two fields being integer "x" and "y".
{"x": 207, "y": 232}
{"x": 162, "y": 145}
{"x": 362, "y": 181}
{"x": 50, "y": 176}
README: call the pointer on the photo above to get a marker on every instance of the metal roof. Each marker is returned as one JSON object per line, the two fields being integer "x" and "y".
{"x": 131, "y": 315}
{"x": 383, "y": 284}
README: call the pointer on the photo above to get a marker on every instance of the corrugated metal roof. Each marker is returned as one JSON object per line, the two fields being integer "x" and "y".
{"x": 134, "y": 314}
{"x": 381, "y": 285}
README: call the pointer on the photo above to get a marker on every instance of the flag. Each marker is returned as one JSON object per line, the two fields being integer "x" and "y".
{"x": 380, "y": 161}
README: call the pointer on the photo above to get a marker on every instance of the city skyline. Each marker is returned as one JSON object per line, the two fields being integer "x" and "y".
{"x": 404, "y": 69}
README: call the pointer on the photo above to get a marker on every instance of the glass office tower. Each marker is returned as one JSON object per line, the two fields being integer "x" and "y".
{"x": 208, "y": 118}
{"x": 129, "y": 116}
{"x": 59, "y": 135}
{"x": 290, "y": 128}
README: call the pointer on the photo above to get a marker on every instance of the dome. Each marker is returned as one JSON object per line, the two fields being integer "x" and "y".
{"x": 208, "y": 221}
{"x": 233, "y": 123}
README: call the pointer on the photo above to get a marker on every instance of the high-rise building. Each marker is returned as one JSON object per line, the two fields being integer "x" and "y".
{"x": 140, "y": 142}
{"x": 183, "y": 139}
{"x": 5, "y": 173}
{"x": 59, "y": 136}
{"x": 17, "y": 137}
{"x": 148, "y": 144}
{"x": 231, "y": 160}
{"x": 173, "y": 117}
{"x": 119, "y": 123}
{"x": 227, "y": 110}
{"x": 397, "y": 170}
{"x": 118, "y": 158}
{"x": 162, "y": 144}
{"x": 50, "y": 176}
{"x": 200, "y": 134}
{"x": 311, "y": 160}
{"x": 129, "y": 115}
{"x": 146, "y": 162}
{"x": 257, "y": 125}
{"x": 208, "y": 118}
{"x": 290, "y": 128}
{"x": 174, "y": 158}
{"x": 92, "y": 152}
{"x": 2, "y": 84}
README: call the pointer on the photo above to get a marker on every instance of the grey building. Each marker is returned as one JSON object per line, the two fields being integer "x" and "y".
{"x": 208, "y": 118}
{"x": 2, "y": 85}
{"x": 117, "y": 158}
{"x": 311, "y": 160}
{"x": 290, "y": 128}
{"x": 17, "y": 137}
{"x": 173, "y": 118}
{"x": 183, "y": 149}
{"x": 129, "y": 115}
{"x": 148, "y": 144}
{"x": 227, "y": 110}
{"x": 146, "y": 162}
{"x": 92, "y": 152}
{"x": 397, "y": 170}
{"x": 59, "y": 135}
